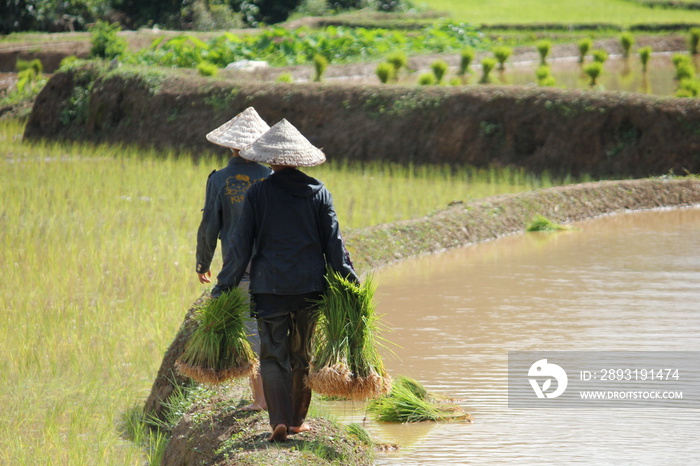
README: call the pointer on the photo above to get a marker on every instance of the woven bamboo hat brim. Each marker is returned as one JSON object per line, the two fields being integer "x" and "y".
{"x": 284, "y": 145}
{"x": 240, "y": 131}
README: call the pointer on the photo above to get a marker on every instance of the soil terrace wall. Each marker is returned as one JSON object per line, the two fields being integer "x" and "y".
{"x": 562, "y": 131}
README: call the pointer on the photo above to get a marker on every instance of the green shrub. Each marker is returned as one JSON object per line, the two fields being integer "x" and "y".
{"x": 466, "y": 58}
{"x": 584, "y": 45}
{"x": 439, "y": 68}
{"x": 644, "y": 55}
{"x": 384, "y": 72}
{"x": 427, "y": 79}
{"x": 487, "y": 65}
{"x": 285, "y": 78}
{"x": 694, "y": 40}
{"x": 206, "y": 68}
{"x": 600, "y": 55}
{"x": 544, "y": 47}
{"x": 320, "y": 66}
{"x": 626, "y": 40}
{"x": 105, "y": 41}
{"x": 593, "y": 70}
{"x": 67, "y": 61}
{"x": 456, "y": 81}
{"x": 502, "y": 53}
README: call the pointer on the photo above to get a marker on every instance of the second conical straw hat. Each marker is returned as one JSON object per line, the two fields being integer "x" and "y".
{"x": 240, "y": 131}
{"x": 284, "y": 145}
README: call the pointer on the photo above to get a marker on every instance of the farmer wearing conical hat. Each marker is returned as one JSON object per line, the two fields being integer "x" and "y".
{"x": 225, "y": 192}
{"x": 289, "y": 233}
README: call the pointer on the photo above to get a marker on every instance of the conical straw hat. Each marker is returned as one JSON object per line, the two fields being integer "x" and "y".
{"x": 240, "y": 131}
{"x": 284, "y": 145}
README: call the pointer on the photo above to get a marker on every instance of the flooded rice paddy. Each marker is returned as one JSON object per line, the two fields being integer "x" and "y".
{"x": 619, "y": 74}
{"x": 629, "y": 282}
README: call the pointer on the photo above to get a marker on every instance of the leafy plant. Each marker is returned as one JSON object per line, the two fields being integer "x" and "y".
{"x": 285, "y": 78}
{"x": 105, "y": 41}
{"x": 593, "y": 70}
{"x": 644, "y": 55}
{"x": 487, "y": 65}
{"x": 502, "y": 53}
{"x": 626, "y": 40}
{"x": 584, "y": 45}
{"x": 282, "y": 47}
{"x": 543, "y": 48}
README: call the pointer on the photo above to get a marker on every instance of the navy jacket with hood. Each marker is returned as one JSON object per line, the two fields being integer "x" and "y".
{"x": 289, "y": 232}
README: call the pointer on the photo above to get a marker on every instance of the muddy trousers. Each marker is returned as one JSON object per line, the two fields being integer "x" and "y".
{"x": 285, "y": 352}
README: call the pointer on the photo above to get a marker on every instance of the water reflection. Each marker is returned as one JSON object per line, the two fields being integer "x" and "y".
{"x": 625, "y": 282}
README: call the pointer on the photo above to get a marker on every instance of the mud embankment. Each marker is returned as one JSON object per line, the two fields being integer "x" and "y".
{"x": 485, "y": 219}
{"x": 561, "y": 131}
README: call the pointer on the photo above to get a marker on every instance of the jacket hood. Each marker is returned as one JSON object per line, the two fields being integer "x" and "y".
{"x": 296, "y": 183}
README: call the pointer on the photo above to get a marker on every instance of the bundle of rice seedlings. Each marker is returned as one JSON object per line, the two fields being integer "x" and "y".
{"x": 409, "y": 401}
{"x": 542, "y": 223}
{"x": 346, "y": 362}
{"x": 218, "y": 349}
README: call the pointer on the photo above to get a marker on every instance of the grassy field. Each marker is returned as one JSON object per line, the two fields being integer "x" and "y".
{"x": 98, "y": 248}
{"x": 620, "y": 12}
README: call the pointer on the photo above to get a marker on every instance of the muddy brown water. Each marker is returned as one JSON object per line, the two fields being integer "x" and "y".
{"x": 628, "y": 282}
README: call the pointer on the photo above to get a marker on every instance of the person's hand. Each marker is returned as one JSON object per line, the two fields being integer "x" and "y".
{"x": 204, "y": 277}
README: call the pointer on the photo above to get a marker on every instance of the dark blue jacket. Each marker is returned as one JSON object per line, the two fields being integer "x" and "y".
{"x": 223, "y": 205}
{"x": 289, "y": 231}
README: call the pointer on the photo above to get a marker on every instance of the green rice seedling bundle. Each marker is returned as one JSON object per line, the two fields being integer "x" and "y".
{"x": 542, "y": 223}
{"x": 409, "y": 401}
{"x": 346, "y": 362}
{"x": 218, "y": 349}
